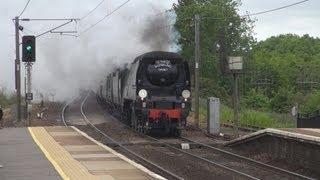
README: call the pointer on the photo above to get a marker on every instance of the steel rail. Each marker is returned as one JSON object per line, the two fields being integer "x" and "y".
{"x": 169, "y": 174}
{"x": 208, "y": 161}
{"x": 267, "y": 166}
{"x": 64, "y": 111}
{"x": 63, "y": 114}
{"x": 195, "y": 156}
{"x": 222, "y": 151}
{"x": 250, "y": 160}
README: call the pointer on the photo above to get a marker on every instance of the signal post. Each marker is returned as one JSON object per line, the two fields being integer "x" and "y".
{"x": 29, "y": 57}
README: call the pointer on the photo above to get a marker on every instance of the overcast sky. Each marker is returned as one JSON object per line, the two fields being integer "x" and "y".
{"x": 300, "y": 19}
{"x": 64, "y": 61}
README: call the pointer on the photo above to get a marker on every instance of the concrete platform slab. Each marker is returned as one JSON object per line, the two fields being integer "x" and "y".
{"x": 303, "y": 135}
{"x": 129, "y": 175}
{"x": 77, "y": 157}
{"x": 304, "y": 131}
{"x": 54, "y": 153}
{"x": 21, "y": 158}
{"x": 65, "y": 134}
{"x": 86, "y": 148}
{"x": 107, "y": 165}
{"x": 110, "y": 155}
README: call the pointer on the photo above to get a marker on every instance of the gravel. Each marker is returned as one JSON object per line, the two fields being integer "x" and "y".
{"x": 184, "y": 166}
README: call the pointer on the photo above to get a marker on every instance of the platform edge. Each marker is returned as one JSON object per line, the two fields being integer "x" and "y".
{"x": 48, "y": 156}
{"x": 139, "y": 166}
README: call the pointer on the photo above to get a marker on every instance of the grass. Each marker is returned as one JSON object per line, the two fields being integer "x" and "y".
{"x": 247, "y": 117}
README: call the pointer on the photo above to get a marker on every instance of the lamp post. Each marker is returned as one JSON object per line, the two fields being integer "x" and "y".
{"x": 235, "y": 67}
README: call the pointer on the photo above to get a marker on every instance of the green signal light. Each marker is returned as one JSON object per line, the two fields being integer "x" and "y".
{"x": 29, "y": 48}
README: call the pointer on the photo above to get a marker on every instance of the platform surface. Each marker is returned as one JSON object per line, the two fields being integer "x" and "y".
{"x": 308, "y": 135}
{"x": 21, "y": 158}
{"x": 62, "y": 153}
{"x": 304, "y": 131}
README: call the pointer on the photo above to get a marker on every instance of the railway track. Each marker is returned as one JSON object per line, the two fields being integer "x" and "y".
{"x": 226, "y": 160}
{"x": 253, "y": 164}
{"x": 124, "y": 149}
{"x": 234, "y": 165}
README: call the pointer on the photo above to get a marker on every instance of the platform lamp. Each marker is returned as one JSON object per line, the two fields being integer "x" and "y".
{"x": 235, "y": 67}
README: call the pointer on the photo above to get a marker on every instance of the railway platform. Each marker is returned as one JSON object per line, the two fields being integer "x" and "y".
{"x": 62, "y": 153}
{"x": 306, "y": 135}
{"x": 298, "y": 146}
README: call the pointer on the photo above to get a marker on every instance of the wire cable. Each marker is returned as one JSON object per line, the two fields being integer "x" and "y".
{"x": 99, "y": 4}
{"x": 276, "y": 9}
{"x": 253, "y": 14}
{"x": 262, "y": 12}
{"x": 86, "y": 30}
{"x": 25, "y": 7}
{"x": 49, "y": 31}
{"x": 27, "y": 29}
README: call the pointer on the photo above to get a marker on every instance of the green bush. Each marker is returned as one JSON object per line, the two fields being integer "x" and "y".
{"x": 281, "y": 102}
{"x": 226, "y": 114}
{"x": 256, "y": 118}
{"x": 255, "y": 99}
{"x": 312, "y": 103}
{"x": 210, "y": 88}
{"x": 266, "y": 120}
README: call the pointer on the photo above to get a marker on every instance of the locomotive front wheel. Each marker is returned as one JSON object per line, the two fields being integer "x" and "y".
{"x": 175, "y": 132}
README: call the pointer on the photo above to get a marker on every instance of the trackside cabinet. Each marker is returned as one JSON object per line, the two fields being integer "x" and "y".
{"x": 213, "y": 115}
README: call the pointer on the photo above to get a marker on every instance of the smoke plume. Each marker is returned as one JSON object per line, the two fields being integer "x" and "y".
{"x": 67, "y": 64}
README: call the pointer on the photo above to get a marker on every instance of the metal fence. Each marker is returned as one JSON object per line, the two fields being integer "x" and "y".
{"x": 309, "y": 120}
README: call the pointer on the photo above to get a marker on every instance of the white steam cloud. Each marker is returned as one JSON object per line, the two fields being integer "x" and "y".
{"x": 66, "y": 64}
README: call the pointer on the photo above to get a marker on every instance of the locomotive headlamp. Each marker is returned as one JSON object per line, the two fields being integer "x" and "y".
{"x": 186, "y": 94}
{"x": 143, "y": 93}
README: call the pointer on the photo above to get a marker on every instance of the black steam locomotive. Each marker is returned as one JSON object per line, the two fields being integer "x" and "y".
{"x": 153, "y": 93}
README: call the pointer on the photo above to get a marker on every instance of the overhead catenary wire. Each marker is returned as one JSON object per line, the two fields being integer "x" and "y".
{"x": 252, "y": 14}
{"x": 265, "y": 11}
{"x": 109, "y": 14}
{"x": 29, "y": 30}
{"x": 276, "y": 9}
{"x": 98, "y": 5}
{"x": 25, "y": 7}
{"x": 50, "y": 31}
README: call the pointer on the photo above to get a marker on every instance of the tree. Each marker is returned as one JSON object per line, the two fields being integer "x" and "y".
{"x": 222, "y": 33}
{"x": 294, "y": 63}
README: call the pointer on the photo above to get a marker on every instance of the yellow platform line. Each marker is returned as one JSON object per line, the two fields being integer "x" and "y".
{"x": 47, "y": 154}
{"x": 63, "y": 162}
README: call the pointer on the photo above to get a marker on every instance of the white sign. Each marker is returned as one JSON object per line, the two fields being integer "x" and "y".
{"x": 185, "y": 146}
{"x": 29, "y": 96}
{"x": 235, "y": 63}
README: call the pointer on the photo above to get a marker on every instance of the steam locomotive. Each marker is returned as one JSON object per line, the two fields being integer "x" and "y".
{"x": 152, "y": 93}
